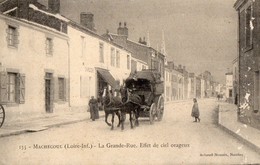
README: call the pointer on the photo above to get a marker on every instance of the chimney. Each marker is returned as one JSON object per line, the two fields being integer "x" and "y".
{"x": 23, "y": 9}
{"x": 54, "y": 6}
{"x": 87, "y": 20}
{"x": 140, "y": 40}
{"x": 144, "y": 42}
{"x": 122, "y": 31}
{"x": 172, "y": 65}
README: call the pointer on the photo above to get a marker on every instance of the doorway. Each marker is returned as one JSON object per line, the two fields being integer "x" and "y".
{"x": 48, "y": 92}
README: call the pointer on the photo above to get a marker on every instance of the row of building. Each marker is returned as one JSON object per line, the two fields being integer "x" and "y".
{"x": 49, "y": 63}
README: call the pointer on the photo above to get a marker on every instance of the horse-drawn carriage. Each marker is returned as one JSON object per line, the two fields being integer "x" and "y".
{"x": 148, "y": 85}
{"x": 141, "y": 96}
{"x": 2, "y": 115}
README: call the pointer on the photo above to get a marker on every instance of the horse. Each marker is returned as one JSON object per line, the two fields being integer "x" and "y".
{"x": 131, "y": 105}
{"x": 111, "y": 106}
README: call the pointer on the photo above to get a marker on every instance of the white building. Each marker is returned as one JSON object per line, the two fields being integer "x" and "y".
{"x": 94, "y": 64}
{"x": 34, "y": 68}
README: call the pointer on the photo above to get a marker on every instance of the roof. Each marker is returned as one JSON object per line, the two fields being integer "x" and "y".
{"x": 151, "y": 75}
{"x": 134, "y": 47}
{"x": 238, "y": 4}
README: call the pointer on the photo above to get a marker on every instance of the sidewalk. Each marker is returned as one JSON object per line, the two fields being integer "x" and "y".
{"x": 228, "y": 121}
{"x": 44, "y": 122}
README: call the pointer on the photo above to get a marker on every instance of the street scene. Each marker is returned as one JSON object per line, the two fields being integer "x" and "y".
{"x": 129, "y": 82}
{"x": 197, "y": 142}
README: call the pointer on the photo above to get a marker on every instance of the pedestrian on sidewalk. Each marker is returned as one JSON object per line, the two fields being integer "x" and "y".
{"x": 93, "y": 106}
{"x": 195, "y": 111}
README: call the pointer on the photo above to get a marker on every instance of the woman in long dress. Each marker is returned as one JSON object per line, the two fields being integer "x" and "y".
{"x": 195, "y": 111}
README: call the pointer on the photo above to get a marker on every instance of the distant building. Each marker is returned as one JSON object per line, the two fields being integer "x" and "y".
{"x": 153, "y": 58}
{"x": 198, "y": 87}
{"x": 192, "y": 86}
{"x": 229, "y": 87}
{"x": 167, "y": 84}
{"x": 248, "y": 61}
{"x": 185, "y": 81}
{"x": 207, "y": 79}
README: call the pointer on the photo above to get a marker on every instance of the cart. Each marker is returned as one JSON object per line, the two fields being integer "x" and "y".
{"x": 149, "y": 86}
{"x": 2, "y": 115}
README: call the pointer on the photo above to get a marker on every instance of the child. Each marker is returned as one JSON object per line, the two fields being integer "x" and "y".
{"x": 195, "y": 111}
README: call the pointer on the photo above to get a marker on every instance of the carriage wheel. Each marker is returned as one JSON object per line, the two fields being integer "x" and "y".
{"x": 160, "y": 108}
{"x": 2, "y": 115}
{"x": 152, "y": 113}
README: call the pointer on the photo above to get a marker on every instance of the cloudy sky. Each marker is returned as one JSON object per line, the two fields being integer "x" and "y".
{"x": 200, "y": 34}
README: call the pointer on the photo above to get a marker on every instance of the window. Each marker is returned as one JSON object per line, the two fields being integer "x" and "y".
{"x": 101, "y": 52}
{"x": 128, "y": 61}
{"x": 249, "y": 27}
{"x": 12, "y": 36}
{"x": 154, "y": 64}
{"x": 62, "y": 88}
{"x": 49, "y": 46}
{"x": 112, "y": 60}
{"x": 12, "y": 87}
{"x": 117, "y": 59}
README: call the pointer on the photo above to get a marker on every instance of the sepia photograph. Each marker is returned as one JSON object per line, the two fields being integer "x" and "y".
{"x": 123, "y": 82}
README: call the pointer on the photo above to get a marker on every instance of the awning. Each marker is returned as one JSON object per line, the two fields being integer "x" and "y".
{"x": 106, "y": 75}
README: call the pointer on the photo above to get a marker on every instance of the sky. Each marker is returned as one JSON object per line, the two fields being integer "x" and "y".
{"x": 199, "y": 34}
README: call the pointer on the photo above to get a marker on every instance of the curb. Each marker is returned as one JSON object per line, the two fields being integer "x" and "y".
{"x": 24, "y": 131}
{"x": 235, "y": 135}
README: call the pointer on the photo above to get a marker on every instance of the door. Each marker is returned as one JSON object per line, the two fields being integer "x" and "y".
{"x": 48, "y": 93}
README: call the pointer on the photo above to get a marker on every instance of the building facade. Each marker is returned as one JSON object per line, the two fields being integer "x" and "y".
{"x": 69, "y": 62}
{"x": 248, "y": 61}
{"x": 95, "y": 64}
{"x": 34, "y": 68}
{"x": 152, "y": 58}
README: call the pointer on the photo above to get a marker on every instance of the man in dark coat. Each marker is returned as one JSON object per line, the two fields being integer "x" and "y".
{"x": 195, "y": 111}
{"x": 93, "y": 106}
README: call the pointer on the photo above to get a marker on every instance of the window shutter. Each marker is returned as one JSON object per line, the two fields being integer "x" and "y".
{"x": 8, "y": 36}
{"x": 66, "y": 89}
{"x": 16, "y": 41}
{"x": 51, "y": 47}
{"x": 21, "y": 88}
{"x": 56, "y": 89}
{"x": 52, "y": 94}
{"x": 3, "y": 87}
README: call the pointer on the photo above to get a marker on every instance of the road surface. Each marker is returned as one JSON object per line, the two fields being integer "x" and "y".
{"x": 174, "y": 140}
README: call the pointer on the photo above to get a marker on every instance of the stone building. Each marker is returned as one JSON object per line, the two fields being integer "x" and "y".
{"x": 248, "y": 61}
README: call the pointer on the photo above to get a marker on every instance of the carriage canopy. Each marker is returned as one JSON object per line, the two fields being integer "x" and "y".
{"x": 146, "y": 80}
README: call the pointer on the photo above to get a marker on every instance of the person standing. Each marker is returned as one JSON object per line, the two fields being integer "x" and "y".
{"x": 195, "y": 111}
{"x": 93, "y": 106}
